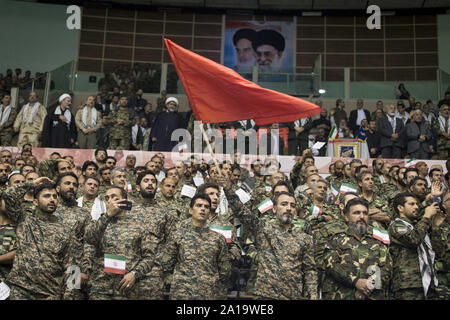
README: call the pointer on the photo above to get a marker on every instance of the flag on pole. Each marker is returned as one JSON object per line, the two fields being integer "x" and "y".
{"x": 334, "y": 134}
{"x": 219, "y": 94}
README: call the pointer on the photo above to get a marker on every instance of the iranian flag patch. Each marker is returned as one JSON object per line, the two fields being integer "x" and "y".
{"x": 402, "y": 229}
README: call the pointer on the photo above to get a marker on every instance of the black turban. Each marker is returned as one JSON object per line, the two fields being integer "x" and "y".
{"x": 244, "y": 34}
{"x": 270, "y": 37}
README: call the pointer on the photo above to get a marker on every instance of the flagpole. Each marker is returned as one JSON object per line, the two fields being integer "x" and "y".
{"x": 210, "y": 148}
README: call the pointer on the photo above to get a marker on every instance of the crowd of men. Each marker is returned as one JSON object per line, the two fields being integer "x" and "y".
{"x": 123, "y": 119}
{"x": 202, "y": 230}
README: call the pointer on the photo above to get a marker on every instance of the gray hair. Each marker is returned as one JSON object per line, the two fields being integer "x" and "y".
{"x": 119, "y": 169}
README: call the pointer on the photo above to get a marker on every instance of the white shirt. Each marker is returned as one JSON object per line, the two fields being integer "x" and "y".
{"x": 361, "y": 116}
{"x": 275, "y": 144}
{"x": 405, "y": 115}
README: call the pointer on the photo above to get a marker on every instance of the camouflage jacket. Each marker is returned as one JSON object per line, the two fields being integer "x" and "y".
{"x": 176, "y": 206}
{"x": 122, "y": 130}
{"x": 125, "y": 236}
{"x": 7, "y": 244}
{"x": 321, "y": 236}
{"x": 403, "y": 248}
{"x": 285, "y": 261}
{"x": 43, "y": 249}
{"x": 382, "y": 204}
{"x": 442, "y": 142}
{"x": 295, "y": 174}
{"x": 442, "y": 249}
{"x": 347, "y": 260}
{"x": 318, "y": 220}
{"x": 200, "y": 263}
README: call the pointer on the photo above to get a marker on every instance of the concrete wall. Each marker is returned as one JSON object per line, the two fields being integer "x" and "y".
{"x": 34, "y": 36}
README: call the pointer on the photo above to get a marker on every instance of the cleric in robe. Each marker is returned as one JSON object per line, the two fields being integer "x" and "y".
{"x": 165, "y": 124}
{"x": 59, "y": 126}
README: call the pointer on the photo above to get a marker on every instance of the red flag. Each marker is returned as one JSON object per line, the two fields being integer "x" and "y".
{"x": 218, "y": 94}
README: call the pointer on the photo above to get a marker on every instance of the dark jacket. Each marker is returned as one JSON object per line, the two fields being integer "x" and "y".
{"x": 385, "y": 130}
{"x": 413, "y": 131}
{"x": 354, "y": 116}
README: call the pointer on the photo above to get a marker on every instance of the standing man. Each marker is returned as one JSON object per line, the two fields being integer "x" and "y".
{"x": 391, "y": 130}
{"x": 198, "y": 257}
{"x": 442, "y": 132}
{"x": 88, "y": 122}
{"x": 41, "y": 237}
{"x": 120, "y": 134}
{"x": 119, "y": 237}
{"x": 165, "y": 124}
{"x": 7, "y": 117}
{"x": 358, "y": 115}
{"x": 298, "y": 135}
{"x": 349, "y": 263}
{"x": 413, "y": 239}
{"x": 30, "y": 121}
{"x": 59, "y": 129}
{"x": 286, "y": 267}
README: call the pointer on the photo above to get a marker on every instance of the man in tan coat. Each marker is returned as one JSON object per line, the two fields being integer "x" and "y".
{"x": 88, "y": 121}
{"x": 30, "y": 121}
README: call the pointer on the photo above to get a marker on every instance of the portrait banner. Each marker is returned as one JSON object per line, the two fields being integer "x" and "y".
{"x": 268, "y": 45}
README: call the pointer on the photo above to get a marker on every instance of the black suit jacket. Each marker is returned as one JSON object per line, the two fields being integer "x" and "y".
{"x": 353, "y": 117}
{"x": 385, "y": 130}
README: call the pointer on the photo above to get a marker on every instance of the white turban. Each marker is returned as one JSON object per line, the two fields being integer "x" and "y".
{"x": 171, "y": 99}
{"x": 63, "y": 96}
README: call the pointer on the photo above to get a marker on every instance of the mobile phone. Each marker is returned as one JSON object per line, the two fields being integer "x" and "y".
{"x": 437, "y": 200}
{"x": 128, "y": 205}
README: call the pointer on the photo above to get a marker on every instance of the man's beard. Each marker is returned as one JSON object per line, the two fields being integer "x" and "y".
{"x": 358, "y": 229}
{"x": 246, "y": 66}
{"x": 285, "y": 219}
{"x": 66, "y": 197}
{"x": 102, "y": 160}
{"x": 275, "y": 66}
{"x": 3, "y": 180}
{"x": 147, "y": 195}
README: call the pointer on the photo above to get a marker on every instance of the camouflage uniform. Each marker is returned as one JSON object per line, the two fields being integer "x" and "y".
{"x": 285, "y": 263}
{"x": 162, "y": 223}
{"x": 7, "y": 244}
{"x": 200, "y": 262}
{"x": 120, "y": 136}
{"x": 319, "y": 220}
{"x": 347, "y": 259}
{"x": 46, "y": 168}
{"x": 442, "y": 263}
{"x": 381, "y": 204}
{"x": 321, "y": 236}
{"x": 176, "y": 207}
{"x": 7, "y": 131}
{"x": 443, "y": 144}
{"x": 407, "y": 279}
{"x": 295, "y": 174}
{"x": 27, "y": 207}
{"x": 124, "y": 236}
{"x": 43, "y": 251}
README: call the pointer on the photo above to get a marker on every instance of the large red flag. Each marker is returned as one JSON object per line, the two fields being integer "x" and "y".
{"x": 218, "y": 94}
